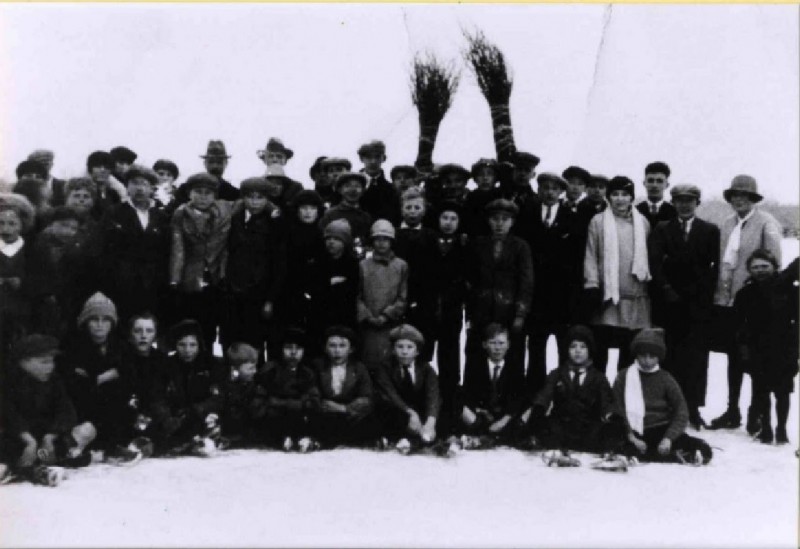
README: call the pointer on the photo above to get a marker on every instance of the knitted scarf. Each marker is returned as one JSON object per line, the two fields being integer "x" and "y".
{"x": 640, "y": 270}
{"x": 634, "y": 398}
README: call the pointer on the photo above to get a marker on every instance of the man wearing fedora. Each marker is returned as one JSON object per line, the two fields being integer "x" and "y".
{"x": 215, "y": 161}
{"x": 747, "y": 230}
{"x": 684, "y": 263}
{"x": 275, "y": 153}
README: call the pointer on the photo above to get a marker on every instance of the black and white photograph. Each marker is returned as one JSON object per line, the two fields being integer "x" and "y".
{"x": 399, "y": 275}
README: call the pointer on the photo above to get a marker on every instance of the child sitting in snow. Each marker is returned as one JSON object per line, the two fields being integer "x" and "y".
{"x": 40, "y": 427}
{"x": 654, "y": 408}
{"x": 408, "y": 391}
{"x": 240, "y": 392}
{"x": 287, "y": 395}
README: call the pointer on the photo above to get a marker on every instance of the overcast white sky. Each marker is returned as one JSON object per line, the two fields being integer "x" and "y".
{"x": 712, "y": 90}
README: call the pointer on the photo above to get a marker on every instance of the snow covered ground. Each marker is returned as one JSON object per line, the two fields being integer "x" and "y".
{"x": 747, "y": 497}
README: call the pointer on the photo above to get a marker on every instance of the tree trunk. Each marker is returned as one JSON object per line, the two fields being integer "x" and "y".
{"x": 503, "y": 132}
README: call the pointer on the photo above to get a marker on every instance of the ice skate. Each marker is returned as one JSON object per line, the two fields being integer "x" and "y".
{"x": 46, "y": 475}
{"x": 558, "y": 458}
{"x": 123, "y": 456}
{"x": 685, "y": 457}
{"x": 403, "y": 446}
{"x": 307, "y": 445}
{"x": 611, "y": 462}
{"x": 143, "y": 445}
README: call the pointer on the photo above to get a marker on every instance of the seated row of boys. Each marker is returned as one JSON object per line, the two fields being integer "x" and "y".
{"x": 99, "y": 394}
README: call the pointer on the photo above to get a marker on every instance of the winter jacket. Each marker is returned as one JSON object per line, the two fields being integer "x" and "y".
{"x": 35, "y": 407}
{"x": 380, "y": 200}
{"x": 190, "y": 389}
{"x": 304, "y": 249}
{"x": 334, "y": 291}
{"x": 256, "y": 257}
{"x": 593, "y": 400}
{"x": 418, "y": 248}
{"x": 393, "y": 393}
{"x": 383, "y": 288}
{"x": 283, "y": 390}
{"x": 356, "y": 394}
{"x": 359, "y": 219}
{"x": 507, "y": 396}
{"x": 449, "y": 266}
{"x": 663, "y": 402}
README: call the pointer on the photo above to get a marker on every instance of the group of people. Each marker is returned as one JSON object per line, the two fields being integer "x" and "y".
{"x": 330, "y": 305}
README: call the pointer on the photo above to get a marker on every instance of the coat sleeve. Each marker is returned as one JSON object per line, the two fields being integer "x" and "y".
{"x": 386, "y": 389}
{"x": 544, "y": 397}
{"x": 680, "y": 412}
{"x": 619, "y": 397}
{"x": 772, "y": 236}
{"x": 591, "y": 258}
{"x": 362, "y": 404}
{"x": 656, "y": 251}
{"x": 525, "y": 280}
{"x": 433, "y": 401}
{"x": 395, "y": 310}
{"x": 177, "y": 255}
{"x": 64, "y": 416}
{"x": 362, "y": 311}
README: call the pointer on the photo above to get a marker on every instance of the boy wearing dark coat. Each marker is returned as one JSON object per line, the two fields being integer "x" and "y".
{"x": 408, "y": 391}
{"x": 379, "y": 200}
{"x": 350, "y": 186}
{"x": 238, "y": 420}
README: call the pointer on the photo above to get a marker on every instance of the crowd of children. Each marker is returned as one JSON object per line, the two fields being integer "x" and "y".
{"x": 331, "y": 304}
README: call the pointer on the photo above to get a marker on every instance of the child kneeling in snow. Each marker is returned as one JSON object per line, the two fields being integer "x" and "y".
{"x": 408, "y": 390}
{"x": 654, "y": 408}
{"x": 583, "y": 415}
{"x": 40, "y": 426}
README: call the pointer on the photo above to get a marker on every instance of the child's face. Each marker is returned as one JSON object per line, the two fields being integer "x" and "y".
{"x": 655, "y": 184}
{"x": 100, "y": 174}
{"x": 620, "y": 201}
{"x": 372, "y": 162}
{"x": 308, "y": 214}
{"x": 761, "y": 269}
{"x": 351, "y": 191}
{"x": 549, "y": 193}
{"x": 406, "y": 351}
{"x": 247, "y": 371}
{"x": 496, "y": 347}
{"x": 293, "y": 353}
{"x": 332, "y": 172}
{"x": 10, "y": 226}
{"x": 523, "y": 175}
{"x": 485, "y": 178}
{"x": 578, "y": 353}
{"x": 334, "y": 246}
{"x": 64, "y": 229}
{"x": 143, "y": 334}
{"x": 648, "y": 361}
{"x": 500, "y": 223}
{"x": 382, "y": 244}
{"x": 453, "y": 185}
{"x": 338, "y": 349}
{"x": 448, "y": 222}
{"x": 575, "y": 188}
{"x": 99, "y": 327}
{"x": 274, "y": 187}
{"x": 686, "y": 206}
{"x": 165, "y": 177}
{"x": 413, "y": 211}
{"x": 39, "y": 367}
{"x": 80, "y": 201}
{"x": 188, "y": 348}
{"x": 201, "y": 198}
{"x": 403, "y": 181}
{"x": 121, "y": 167}
{"x": 596, "y": 192}
{"x": 255, "y": 202}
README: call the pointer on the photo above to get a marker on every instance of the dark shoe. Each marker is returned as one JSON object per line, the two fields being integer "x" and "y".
{"x": 753, "y": 422}
{"x": 780, "y": 436}
{"x": 731, "y": 419}
{"x": 696, "y": 421}
{"x": 765, "y": 435}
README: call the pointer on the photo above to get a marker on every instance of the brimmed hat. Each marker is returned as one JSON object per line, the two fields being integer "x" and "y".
{"x": 549, "y": 177}
{"x": 649, "y": 340}
{"x": 382, "y": 228}
{"x": 447, "y": 169}
{"x": 336, "y": 161}
{"x": 98, "y": 305}
{"x": 341, "y": 331}
{"x": 253, "y": 184}
{"x": 185, "y": 328}
{"x": 373, "y": 147}
{"x": 21, "y": 205}
{"x": 403, "y": 168}
{"x": 744, "y": 184}
{"x": 307, "y": 197}
{"x": 168, "y": 166}
{"x": 34, "y": 345}
{"x": 31, "y": 167}
{"x": 620, "y": 183}
{"x": 576, "y": 172}
{"x": 202, "y": 179}
{"x": 123, "y": 154}
{"x": 316, "y": 167}
{"x": 275, "y": 145}
{"x": 350, "y": 176}
{"x": 407, "y": 331}
{"x": 501, "y": 205}
{"x": 99, "y": 158}
{"x": 137, "y": 170}
{"x": 525, "y": 160}
{"x": 691, "y": 191}
{"x": 339, "y": 228}
{"x": 215, "y": 149}
{"x": 579, "y": 332}
{"x": 295, "y": 335}
{"x": 42, "y": 155}
{"x": 490, "y": 163}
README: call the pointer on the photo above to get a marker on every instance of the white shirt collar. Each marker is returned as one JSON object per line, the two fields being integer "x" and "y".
{"x": 553, "y": 212}
{"x": 410, "y": 371}
{"x": 404, "y": 225}
{"x": 144, "y": 216}
{"x": 10, "y": 250}
{"x": 744, "y": 219}
{"x": 491, "y": 365}
{"x": 247, "y": 216}
{"x": 656, "y": 204}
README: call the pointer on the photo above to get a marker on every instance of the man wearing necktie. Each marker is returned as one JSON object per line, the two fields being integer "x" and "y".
{"x": 380, "y": 199}
{"x": 656, "y": 182}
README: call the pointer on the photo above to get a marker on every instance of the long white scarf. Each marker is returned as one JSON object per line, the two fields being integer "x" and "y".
{"x": 634, "y": 398}
{"x": 731, "y": 255}
{"x": 641, "y": 269}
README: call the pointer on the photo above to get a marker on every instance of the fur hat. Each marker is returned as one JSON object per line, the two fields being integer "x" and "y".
{"x": 98, "y": 305}
{"x": 168, "y": 166}
{"x": 215, "y": 149}
{"x": 34, "y": 345}
{"x": 123, "y": 154}
{"x": 31, "y": 167}
{"x": 501, "y": 205}
{"x": 548, "y": 177}
{"x": 407, "y": 331}
{"x": 382, "y": 228}
{"x": 202, "y": 179}
{"x": 579, "y": 332}
{"x": 525, "y": 160}
{"x": 743, "y": 184}
{"x": 21, "y": 205}
{"x": 137, "y": 170}
{"x": 254, "y": 184}
{"x": 339, "y": 228}
{"x": 307, "y": 197}
{"x": 649, "y": 340}
{"x": 692, "y": 191}
{"x": 341, "y": 331}
{"x": 240, "y": 353}
{"x": 620, "y": 183}
{"x": 490, "y": 163}
{"x": 99, "y": 159}
{"x": 275, "y": 145}
{"x": 350, "y": 176}
{"x": 576, "y": 172}
{"x": 373, "y": 147}
{"x": 403, "y": 168}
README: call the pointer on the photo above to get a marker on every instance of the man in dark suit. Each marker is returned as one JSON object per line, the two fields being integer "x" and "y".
{"x": 53, "y": 185}
{"x": 656, "y": 182}
{"x": 215, "y": 161}
{"x": 684, "y": 263}
{"x": 556, "y": 260}
{"x": 379, "y": 200}
{"x": 515, "y": 185}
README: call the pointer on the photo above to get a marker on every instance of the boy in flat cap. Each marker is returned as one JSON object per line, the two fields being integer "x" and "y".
{"x": 350, "y": 186}
{"x": 408, "y": 391}
{"x": 684, "y": 262}
{"x": 517, "y": 188}
{"x": 380, "y": 200}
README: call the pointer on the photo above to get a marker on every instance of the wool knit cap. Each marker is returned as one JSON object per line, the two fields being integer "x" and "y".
{"x": 649, "y": 340}
{"x": 99, "y": 159}
{"x": 42, "y": 155}
{"x": 350, "y": 176}
{"x": 549, "y": 177}
{"x": 407, "y": 331}
{"x": 403, "y": 169}
{"x": 339, "y": 228}
{"x": 490, "y": 163}
{"x": 185, "y": 328}
{"x": 382, "y": 228}
{"x": 501, "y": 205}
{"x": 168, "y": 166}
{"x": 34, "y": 345}
{"x": 459, "y": 170}
{"x": 202, "y": 179}
{"x": 579, "y": 332}
{"x": 341, "y": 331}
{"x": 744, "y": 184}
{"x": 620, "y": 183}
{"x": 137, "y": 170}
{"x": 98, "y": 305}
{"x": 31, "y": 167}
{"x": 692, "y": 191}
{"x": 525, "y": 160}
{"x": 336, "y": 161}
{"x": 123, "y": 154}
{"x": 307, "y": 197}
{"x": 20, "y": 204}
{"x": 373, "y": 147}
{"x": 295, "y": 335}
{"x": 576, "y": 172}
{"x": 240, "y": 353}
{"x": 254, "y": 184}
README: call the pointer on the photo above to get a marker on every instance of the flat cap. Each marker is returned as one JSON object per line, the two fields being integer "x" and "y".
{"x": 501, "y": 205}
{"x": 692, "y": 191}
{"x": 407, "y": 331}
{"x": 550, "y": 177}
